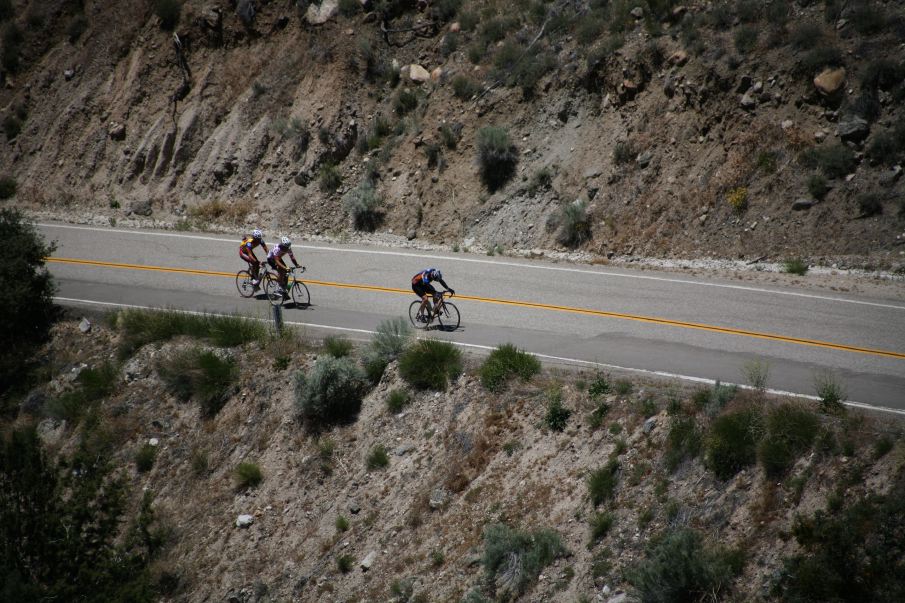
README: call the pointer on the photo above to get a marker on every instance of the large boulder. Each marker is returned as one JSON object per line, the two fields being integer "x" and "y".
{"x": 418, "y": 74}
{"x": 830, "y": 81}
{"x": 141, "y": 207}
{"x": 318, "y": 14}
{"x": 853, "y": 129}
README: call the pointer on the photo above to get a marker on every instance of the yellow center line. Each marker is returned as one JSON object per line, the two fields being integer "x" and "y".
{"x": 522, "y": 304}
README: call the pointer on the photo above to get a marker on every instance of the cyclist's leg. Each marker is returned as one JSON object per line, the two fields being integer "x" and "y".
{"x": 421, "y": 292}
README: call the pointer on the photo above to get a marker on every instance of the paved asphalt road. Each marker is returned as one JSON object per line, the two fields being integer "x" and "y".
{"x": 651, "y": 321}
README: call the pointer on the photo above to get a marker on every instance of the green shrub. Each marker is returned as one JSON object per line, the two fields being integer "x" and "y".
{"x": 199, "y": 461}
{"x": 817, "y": 59}
{"x": 497, "y": 157}
{"x": 144, "y": 458}
{"x": 28, "y": 310}
{"x": 505, "y": 363}
{"x": 141, "y": 327}
{"x": 348, "y": 8}
{"x": 397, "y": 400}
{"x": 342, "y": 524}
{"x": 248, "y": 475}
{"x": 464, "y": 88}
{"x": 869, "y": 204}
{"x": 624, "y": 152}
{"x": 731, "y": 444}
{"x": 541, "y": 180}
{"x": 388, "y": 343}
{"x": 745, "y": 39}
{"x": 513, "y": 559}
{"x": 599, "y": 387}
{"x": 557, "y": 415}
{"x": 6, "y": 10}
{"x": 476, "y": 52}
{"x": 867, "y": 18}
{"x": 377, "y": 458}
{"x": 623, "y": 387}
{"x": 835, "y": 161}
{"x": 345, "y": 563}
{"x": 738, "y": 199}
{"x": 595, "y": 419}
{"x": 885, "y": 147}
{"x": 766, "y": 161}
{"x": 830, "y": 391}
{"x": 332, "y": 393}
{"x": 8, "y": 187}
{"x": 848, "y": 553}
{"x": 76, "y": 28}
{"x": 449, "y": 137}
{"x": 679, "y": 566}
{"x": 757, "y": 372}
{"x": 749, "y": 11}
{"x": 168, "y": 11}
{"x": 683, "y": 441}
{"x": 430, "y": 364}
{"x": 795, "y": 266}
{"x": 495, "y": 29}
{"x": 806, "y": 35}
{"x": 12, "y": 125}
{"x": 406, "y": 101}
{"x": 602, "y": 483}
{"x": 882, "y": 446}
{"x": 338, "y": 346}
{"x": 600, "y": 525}
{"x": 12, "y": 46}
{"x": 200, "y": 375}
{"x": 817, "y": 186}
{"x": 882, "y": 74}
{"x": 364, "y": 205}
{"x": 432, "y": 152}
{"x": 329, "y": 178}
{"x": 790, "y": 432}
{"x": 574, "y": 224}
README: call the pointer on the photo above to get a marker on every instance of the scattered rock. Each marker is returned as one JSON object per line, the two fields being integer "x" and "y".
{"x": 802, "y": 204}
{"x": 644, "y": 159}
{"x": 786, "y": 124}
{"x": 411, "y": 234}
{"x": 117, "y": 131}
{"x": 748, "y": 101}
{"x": 744, "y": 84}
{"x": 243, "y": 521}
{"x": 627, "y": 90}
{"x": 368, "y": 561}
{"x": 69, "y": 74}
{"x": 354, "y": 507}
{"x": 679, "y": 58}
{"x": 620, "y": 598}
{"x": 892, "y": 176}
{"x": 853, "y": 129}
{"x": 141, "y": 208}
{"x": 819, "y": 135}
{"x": 85, "y": 326}
{"x": 302, "y": 178}
{"x": 33, "y": 404}
{"x": 437, "y": 75}
{"x": 404, "y": 449}
{"x": 455, "y": 27}
{"x": 758, "y": 87}
{"x": 154, "y": 442}
{"x": 318, "y": 14}
{"x": 649, "y": 425}
{"x": 830, "y": 81}
{"x": 592, "y": 172}
{"x": 438, "y": 498}
{"x": 418, "y": 74}
{"x": 638, "y": 12}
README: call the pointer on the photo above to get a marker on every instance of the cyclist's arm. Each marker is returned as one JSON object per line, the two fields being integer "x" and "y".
{"x": 445, "y": 286}
{"x": 264, "y": 245}
{"x": 292, "y": 255}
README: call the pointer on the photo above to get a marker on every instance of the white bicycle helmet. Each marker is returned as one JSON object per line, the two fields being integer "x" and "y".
{"x": 436, "y": 275}
{"x": 257, "y": 235}
{"x": 285, "y": 242}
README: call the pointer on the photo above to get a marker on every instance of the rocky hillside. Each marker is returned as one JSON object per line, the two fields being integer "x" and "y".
{"x": 725, "y": 129}
{"x": 190, "y": 472}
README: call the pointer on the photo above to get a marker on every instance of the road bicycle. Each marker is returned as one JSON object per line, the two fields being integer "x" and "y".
{"x": 298, "y": 291}
{"x": 244, "y": 280}
{"x": 445, "y": 313}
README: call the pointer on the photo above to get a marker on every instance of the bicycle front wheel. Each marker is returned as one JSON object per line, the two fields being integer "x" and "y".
{"x": 244, "y": 284}
{"x": 449, "y": 317}
{"x": 271, "y": 290}
{"x": 419, "y": 322}
{"x": 300, "y": 295}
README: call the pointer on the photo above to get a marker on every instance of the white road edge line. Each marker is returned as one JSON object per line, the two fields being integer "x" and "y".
{"x": 573, "y": 361}
{"x": 498, "y": 263}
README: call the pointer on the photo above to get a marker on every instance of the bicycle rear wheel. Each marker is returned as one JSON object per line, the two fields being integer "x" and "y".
{"x": 449, "y": 317}
{"x": 417, "y": 321}
{"x": 300, "y": 295}
{"x": 244, "y": 284}
{"x": 271, "y": 288}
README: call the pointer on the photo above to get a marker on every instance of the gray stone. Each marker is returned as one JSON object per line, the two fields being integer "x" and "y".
{"x": 404, "y": 449}
{"x": 853, "y": 129}
{"x": 637, "y": 12}
{"x": 592, "y": 173}
{"x": 34, "y": 402}
{"x": 418, "y": 74}
{"x": 318, "y": 14}
{"x": 243, "y": 521}
{"x": 438, "y": 498}
{"x": 748, "y": 101}
{"x": 69, "y": 74}
{"x": 411, "y": 234}
{"x": 141, "y": 208}
{"x": 302, "y": 178}
{"x": 802, "y": 204}
{"x": 649, "y": 425}
{"x": 744, "y": 84}
{"x": 117, "y": 131}
{"x": 354, "y": 507}
{"x": 620, "y": 598}
{"x": 757, "y": 88}
{"x": 85, "y": 326}
{"x": 644, "y": 159}
{"x": 368, "y": 561}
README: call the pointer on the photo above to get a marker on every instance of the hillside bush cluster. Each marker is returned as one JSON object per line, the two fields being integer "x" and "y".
{"x": 513, "y": 559}
{"x": 140, "y": 327}
{"x": 390, "y": 340}
{"x": 331, "y": 393}
{"x": 200, "y": 375}
{"x": 507, "y": 362}
{"x": 497, "y": 157}
{"x": 364, "y": 204}
{"x": 430, "y": 364}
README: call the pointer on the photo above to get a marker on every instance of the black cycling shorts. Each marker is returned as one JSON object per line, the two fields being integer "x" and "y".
{"x": 421, "y": 289}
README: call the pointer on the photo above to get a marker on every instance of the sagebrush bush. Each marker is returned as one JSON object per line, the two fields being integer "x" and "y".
{"x": 332, "y": 393}
{"x": 364, "y": 205}
{"x": 168, "y": 11}
{"x": 624, "y": 152}
{"x": 830, "y": 391}
{"x": 377, "y": 458}
{"x": 144, "y": 458}
{"x": 342, "y": 524}
{"x": 541, "y": 179}
{"x": 745, "y": 39}
{"x": 795, "y": 266}
{"x": 338, "y": 346}
{"x": 574, "y": 224}
{"x": 449, "y": 136}
{"x": 140, "y": 327}
{"x": 600, "y": 525}
{"x": 8, "y": 187}
{"x": 507, "y": 362}
{"x": 817, "y": 186}
{"x": 248, "y": 475}
{"x": 388, "y": 343}
{"x": 12, "y": 125}
{"x": 806, "y": 35}
{"x": 513, "y": 559}
{"x": 497, "y": 157}
{"x": 600, "y": 386}
{"x": 731, "y": 443}
{"x": 883, "y": 74}
{"x": 885, "y": 147}
{"x": 464, "y": 87}
{"x": 200, "y": 375}
{"x": 557, "y": 415}
{"x": 397, "y": 400}
{"x": 683, "y": 441}
{"x": 430, "y": 364}
{"x": 602, "y": 482}
{"x": 679, "y": 566}
{"x": 819, "y": 58}
{"x": 345, "y": 563}
{"x": 869, "y": 204}
{"x": 329, "y": 178}
{"x": 835, "y": 161}
{"x": 790, "y": 432}
{"x": 405, "y": 102}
